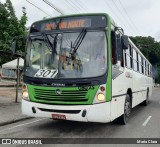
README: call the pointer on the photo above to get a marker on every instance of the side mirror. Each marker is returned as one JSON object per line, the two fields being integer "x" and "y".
{"x": 13, "y": 47}
{"x": 18, "y": 45}
{"x": 125, "y": 42}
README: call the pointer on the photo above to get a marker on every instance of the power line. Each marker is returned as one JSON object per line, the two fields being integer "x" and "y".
{"x": 75, "y": 4}
{"x": 72, "y": 5}
{"x": 127, "y": 14}
{"x": 78, "y": 5}
{"x": 106, "y": 2}
{"x": 38, "y": 8}
{"x": 84, "y": 7}
{"x": 51, "y": 5}
{"x": 83, "y": 3}
{"x": 69, "y": 6}
{"x": 121, "y": 12}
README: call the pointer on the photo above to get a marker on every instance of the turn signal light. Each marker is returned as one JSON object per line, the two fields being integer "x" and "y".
{"x": 102, "y": 88}
{"x": 24, "y": 87}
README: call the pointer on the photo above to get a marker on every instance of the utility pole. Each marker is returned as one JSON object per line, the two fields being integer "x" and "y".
{"x": 16, "y": 99}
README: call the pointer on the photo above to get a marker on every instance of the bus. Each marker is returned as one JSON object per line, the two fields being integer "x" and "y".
{"x": 83, "y": 68}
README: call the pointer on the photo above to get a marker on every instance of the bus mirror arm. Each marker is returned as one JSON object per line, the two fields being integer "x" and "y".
{"x": 14, "y": 45}
{"x": 125, "y": 42}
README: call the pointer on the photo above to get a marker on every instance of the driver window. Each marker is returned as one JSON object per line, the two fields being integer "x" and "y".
{"x": 36, "y": 49}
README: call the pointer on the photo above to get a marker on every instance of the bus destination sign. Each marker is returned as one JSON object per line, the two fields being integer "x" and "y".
{"x": 69, "y": 23}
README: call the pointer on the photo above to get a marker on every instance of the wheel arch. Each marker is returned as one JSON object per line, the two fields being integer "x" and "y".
{"x": 148, "y": 90}
{"x": 129, "y": 92}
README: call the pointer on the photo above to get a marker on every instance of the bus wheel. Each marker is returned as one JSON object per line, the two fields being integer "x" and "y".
{"x": 145, "y": 103}
{"x": 127, "y": 111}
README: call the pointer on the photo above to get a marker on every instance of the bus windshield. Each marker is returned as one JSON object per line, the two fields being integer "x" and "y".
{"x": 67, "y": 55}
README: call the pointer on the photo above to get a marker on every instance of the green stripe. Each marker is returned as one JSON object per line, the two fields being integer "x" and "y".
{"x": 49, "y": 94}
{"x": 109, "y": 77}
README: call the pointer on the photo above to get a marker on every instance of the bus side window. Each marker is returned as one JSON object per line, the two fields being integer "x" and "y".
{"x": 128, "y": 57}
{"x": 117, "y": 52}
{"x": 142, "y": 65}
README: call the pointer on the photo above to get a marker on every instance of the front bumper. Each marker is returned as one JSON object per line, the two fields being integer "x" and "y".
{"x": 94, "y": 113}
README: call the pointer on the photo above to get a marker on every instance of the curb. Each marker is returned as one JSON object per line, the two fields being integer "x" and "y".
{"x": 7, "y": 85}
{"x": 12, "y": 85}
{"x": 14, "y": 121}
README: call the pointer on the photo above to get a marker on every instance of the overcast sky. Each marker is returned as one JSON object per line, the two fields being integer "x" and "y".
{"x": 136, "y": 17}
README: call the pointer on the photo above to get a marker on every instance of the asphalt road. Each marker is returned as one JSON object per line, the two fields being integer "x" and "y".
{"x": 144, "y": 123}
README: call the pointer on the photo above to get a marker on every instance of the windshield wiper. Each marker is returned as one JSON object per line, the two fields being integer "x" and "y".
{"x": 78, "y": 42}
{"x": 54, "y": 45}
{"x": 48, "y": 43}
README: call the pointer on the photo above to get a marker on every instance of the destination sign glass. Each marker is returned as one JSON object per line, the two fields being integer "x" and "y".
{"x": 69, "y": 23}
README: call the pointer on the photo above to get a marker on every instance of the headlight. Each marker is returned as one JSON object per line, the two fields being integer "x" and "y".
{"x": 101, "y": 97}
{"x": 25, "y": 93}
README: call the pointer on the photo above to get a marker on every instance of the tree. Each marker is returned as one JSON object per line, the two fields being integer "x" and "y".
{"x": 10, "y": 27}
{"x": 149, "y": 47}
{"x": 22, "y": 22}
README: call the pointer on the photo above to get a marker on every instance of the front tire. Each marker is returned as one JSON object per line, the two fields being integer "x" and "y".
{"x": 123, "y": 119}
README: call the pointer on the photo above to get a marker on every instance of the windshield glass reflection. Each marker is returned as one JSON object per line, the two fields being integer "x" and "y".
{"x": 67, "y": 55}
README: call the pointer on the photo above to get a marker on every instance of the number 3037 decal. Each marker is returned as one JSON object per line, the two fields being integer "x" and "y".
{"x": 43, "y": 73}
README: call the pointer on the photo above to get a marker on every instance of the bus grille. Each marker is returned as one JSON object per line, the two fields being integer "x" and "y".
{"x": 65, "y": 96}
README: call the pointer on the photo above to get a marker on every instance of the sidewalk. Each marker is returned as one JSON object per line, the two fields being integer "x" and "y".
{"x": 10, "y": 111}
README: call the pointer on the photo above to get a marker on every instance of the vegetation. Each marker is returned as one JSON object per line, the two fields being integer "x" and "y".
{"x": 10, "y": 27}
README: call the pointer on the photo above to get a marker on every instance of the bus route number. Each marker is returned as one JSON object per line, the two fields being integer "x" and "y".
{"x": 42, "y": 73}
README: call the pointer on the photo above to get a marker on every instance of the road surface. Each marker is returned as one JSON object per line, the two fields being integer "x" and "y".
{"x": 144, "y": 123}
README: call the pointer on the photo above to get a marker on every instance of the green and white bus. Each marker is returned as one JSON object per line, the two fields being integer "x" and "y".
{"x": 83, "y": 68}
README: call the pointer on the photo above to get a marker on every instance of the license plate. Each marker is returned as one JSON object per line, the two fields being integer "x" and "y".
{"x": 58, "y": 116}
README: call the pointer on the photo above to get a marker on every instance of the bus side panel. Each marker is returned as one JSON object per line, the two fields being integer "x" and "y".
{"x": 140, "y": 85}
{"x": 109, "y": 55}
{"x": 120, "y": 84}
{"x": 139, "y": 88}
{"x": 117, "y": 107}
{"x": 150, "y": 86}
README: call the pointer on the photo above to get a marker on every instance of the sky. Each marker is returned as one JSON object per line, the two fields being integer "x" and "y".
{"x": 136, "y": 17}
